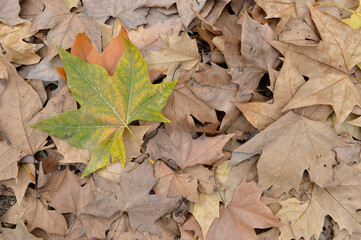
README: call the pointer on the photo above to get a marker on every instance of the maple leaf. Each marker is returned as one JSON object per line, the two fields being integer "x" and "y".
{"x": 18, "y": 51}
{"x": 244, "y": 213}
{"x": 64, "y": 25}
{"x": 9, "y": 13}
{"x": 279, "y": 144}
{"x": 173, "y": 184}
{"x": 185, "y": 151}
{"x": 37, "y": 215}
{"x": 133, "y": 197}
{"x": 108, "y": 105}
{"x": 340, "y": 200}
{"x": 176, "y": 49}
{"x": 333, "y": 58}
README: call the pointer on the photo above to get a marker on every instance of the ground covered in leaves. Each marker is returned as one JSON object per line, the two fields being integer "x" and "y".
{"x": 180, "y": 119}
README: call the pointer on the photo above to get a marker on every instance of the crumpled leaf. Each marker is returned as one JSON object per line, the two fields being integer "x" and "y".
{"x": 340, "y": 201}
{"x": 64, "y": 25}
{"x": 177, "y": 49}
{"x": 184, "y": 151}
{"x": 127, "y": 96}
{"x": 279, "y": 147}
{"x": 18, "y": 51}
{"x": 186, "y": 9}
{"x": 133, "y": 197}
{"x": 244, "y": 213}
{"x": 333, "y": 58}
{"x": 9, "y": 12}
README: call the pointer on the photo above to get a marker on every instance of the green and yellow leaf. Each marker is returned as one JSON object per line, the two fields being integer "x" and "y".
{"x": 108, "y": 105}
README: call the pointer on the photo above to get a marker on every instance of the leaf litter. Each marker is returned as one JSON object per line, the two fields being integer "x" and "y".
{"x": 212, "y": 119}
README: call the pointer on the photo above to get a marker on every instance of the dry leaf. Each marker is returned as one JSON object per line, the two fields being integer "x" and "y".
{"x": 279, "y": 147}
{"x": 64, "y": 26}
{"x": 176, "y": 50}
{"x": 19, "y": 233}
{"x": 184, "y": 151}
{"x": 244, "y": 213}
{"x": 9, "y": 13}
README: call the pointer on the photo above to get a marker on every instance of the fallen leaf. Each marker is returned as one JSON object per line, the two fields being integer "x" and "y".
{"x": 30, "y": 8}
{"x": 142, "y": 99}
{"x": 18, "y": 51}
{"x": 182, "y": 105}
{"x": 305, "y": 218}
{"x": 132, "y": 13}
{"x": 262, "y": 114}
{"x": 64, "y": 25}
{"x": 45, "y": 70}
{"x": 171, "y": 184}
{"x": 9, "y": 13}
{"x": 279, "y": 145}
{"x": 354, "y": 20}
{"x": 71, "y": 3}
{"x": 191, "y": 225}
{"x": 187, "y": 8}
{"x": 214, "y": 87}
{"x": 176, "y": 50}
{"x": 205, "y": 177}
{"x": 23, "y": 102}
{"x": 244, "y": 213}
{"x": 206, "y": 210}
{"x": 333, "y": 62}
{"x": 19, "y": 233}
{"x": 184, "y": 151}
{"x": 39, "y": 216}
{"x": 133, "y": 197}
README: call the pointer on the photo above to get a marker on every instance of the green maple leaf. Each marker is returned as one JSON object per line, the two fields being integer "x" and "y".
{"x": 108, "y": 105}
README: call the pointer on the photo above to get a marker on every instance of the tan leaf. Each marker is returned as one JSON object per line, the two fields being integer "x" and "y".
{"x": 39, "y": 216}
{"x": 184, "y": 151}
{"x": 9, "y": 13}
{"x": 333, "y": 58}
{"x": 191, "y": 225}
{"x": 176, "y": 49}
{"x": 19, "y": 233}
{"x": 65, "y": 25}
{"x": 18, "y": 51}
{"x": 262, "y": 114}
{"x": 133, "y": 197}
{"x": 205, "y": 177}
{"x": 279, "y": 147}
{"x": 206, "y": 210}
{"x": 244, "y": 213}
{"x": 214, "y": 87}
{"x": 186, "y": 9}
{"x": 171, "y": 184}
{"x": 341, "y": 202}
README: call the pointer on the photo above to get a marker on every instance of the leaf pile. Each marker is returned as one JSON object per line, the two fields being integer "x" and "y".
{"x": 207, "y": 119}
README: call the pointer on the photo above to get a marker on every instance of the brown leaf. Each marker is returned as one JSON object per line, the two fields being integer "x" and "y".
{"x": 186, "y": 9}
{"x": 19, "y": 233}
{"x": 171, "y": 184}
{"x": 279, "y": 147}
{"x": 39, "y": 216}
{"x": 184, "y": 151}
{"x": 262, "y": 114}
{"x": 191, "y": 225}
{"x": 18, "y": 51}
{"x": 133, "y": 197}
{"x": 341, "y": 202}
{"x": 9, "y": 13}
{"x": 132, "y": 13}
{"x": 24, "y": 104}
{"x": 244, "y": 213}
{"x": 214, "y": 87}
{"x": 333, "y": 58}
{"x": 65, "y": 25}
